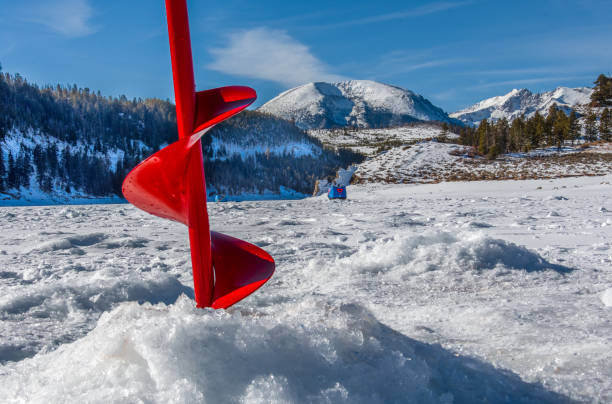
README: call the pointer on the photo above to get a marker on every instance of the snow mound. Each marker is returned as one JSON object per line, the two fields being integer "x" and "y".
{"x": 606, "y": 297}
{"x": 441, "y": 251}
{"x": 359, "y": 103}
{"x": 313, "y": 352}
{"x": 65, "y": 243}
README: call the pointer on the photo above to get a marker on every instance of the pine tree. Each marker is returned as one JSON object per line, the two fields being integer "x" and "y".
{"x": 40, "y": 163}
{"x": 481, "y": 133}
{"x": 51, "y": 159}
{"x": 66, "y": 164}
{"x": 590, "y": 126}
{"x": 560, "y": 129}
{"x": 605, "y": 125}
{"x": 98, "y": 146}
{"x": 11, "y": 180}
{"x": 2, "y": 172}
{"x": 539, "y": 129}
{"x": 516, "y": 135}
{"x": 24, "y": 167}
{"x": 464, "y": 136}
{"x": 443, "y": 133}
{"x": 549, "y": 135}
{"x": 602, "y": 94}
{"x": 574, "y": 127}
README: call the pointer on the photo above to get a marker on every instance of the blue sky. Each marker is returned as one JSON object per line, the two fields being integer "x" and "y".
{"x": 454, "y": 53}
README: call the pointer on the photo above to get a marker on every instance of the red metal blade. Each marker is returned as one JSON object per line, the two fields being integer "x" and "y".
{"x": 158, "y": 186}
{"x": 240, "y": 269}
{"x": 213, "y": 106}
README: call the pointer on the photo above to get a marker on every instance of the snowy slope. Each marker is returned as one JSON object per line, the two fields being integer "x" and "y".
{"x": 359, "y": 103}
{"x": 369, "y": 141}
{"x": 444, "y": 293}
{"x": 250, "y": 133}
{"x": 523, "y": 102}
{"x": 257, "y": 154}
{"x": 32, "y": 194}
{"x": 430, "y": 161}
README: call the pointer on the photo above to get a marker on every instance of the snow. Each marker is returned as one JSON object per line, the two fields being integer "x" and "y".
{"x": 34, "y": 197}
{"x": 359, "y": 103}
{"x": 449, "y": 292}
{"x": 523, "y": 102}
{"x": 409, "y": 162}
{"x": 283, "y": 193}
{"x": 295, "y": 149}
{"x": 369, "y": 141}
{"x": 431, "y": 161}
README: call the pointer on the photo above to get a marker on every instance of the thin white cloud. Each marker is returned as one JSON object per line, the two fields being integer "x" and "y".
{"x": 537, "y": 80}
{"x": 513, "y": 72}
{"x": 399, "y": 62}
{"x": 431, "y": 8}
{"x": 415, "y": 12}
{"x": 71, "y": 18}
{"x": 269, "y": 54}
{"x": 407, "y": 68}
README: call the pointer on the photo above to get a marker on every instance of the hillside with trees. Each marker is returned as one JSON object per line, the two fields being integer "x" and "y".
{"x": 69, "y": 140}
{"x": 72, "y": 138}
{"x": 255, "y": 151}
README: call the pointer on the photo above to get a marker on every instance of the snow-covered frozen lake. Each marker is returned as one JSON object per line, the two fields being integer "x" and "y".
{"x": 451, "y": 293}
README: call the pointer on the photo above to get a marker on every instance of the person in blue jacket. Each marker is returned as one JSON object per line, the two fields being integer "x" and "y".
{"x": 336, "y": 192}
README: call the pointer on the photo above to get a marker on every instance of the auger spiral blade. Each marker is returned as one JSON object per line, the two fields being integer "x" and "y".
{"x": 171, "y": 184}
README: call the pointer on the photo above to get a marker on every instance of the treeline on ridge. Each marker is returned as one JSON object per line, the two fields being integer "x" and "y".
{"x": 525, "y": 134}
{"x": 81, "y": 140}
{"x": 77, "y": 132}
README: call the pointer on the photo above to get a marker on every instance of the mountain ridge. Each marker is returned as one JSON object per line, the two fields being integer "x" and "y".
{"x": 523, "y": 102}
{"x": 353, "y": 103}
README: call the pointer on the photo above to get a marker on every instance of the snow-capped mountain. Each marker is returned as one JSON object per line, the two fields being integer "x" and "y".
{"x": 523, "y": 102}
{"x": 359, "y": 103}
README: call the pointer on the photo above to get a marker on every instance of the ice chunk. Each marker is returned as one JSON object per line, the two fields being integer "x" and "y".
{"x": 606, "y": 297}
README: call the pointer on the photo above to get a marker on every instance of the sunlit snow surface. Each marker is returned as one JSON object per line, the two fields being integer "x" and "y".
{"x": 456, "y": 292}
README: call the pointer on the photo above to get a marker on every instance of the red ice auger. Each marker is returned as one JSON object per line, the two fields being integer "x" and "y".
{"x": 171, "y": 183}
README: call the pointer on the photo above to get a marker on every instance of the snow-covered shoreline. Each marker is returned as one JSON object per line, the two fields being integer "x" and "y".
{"x": 452, "y": 292}
{"x": 430, "y": 161}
